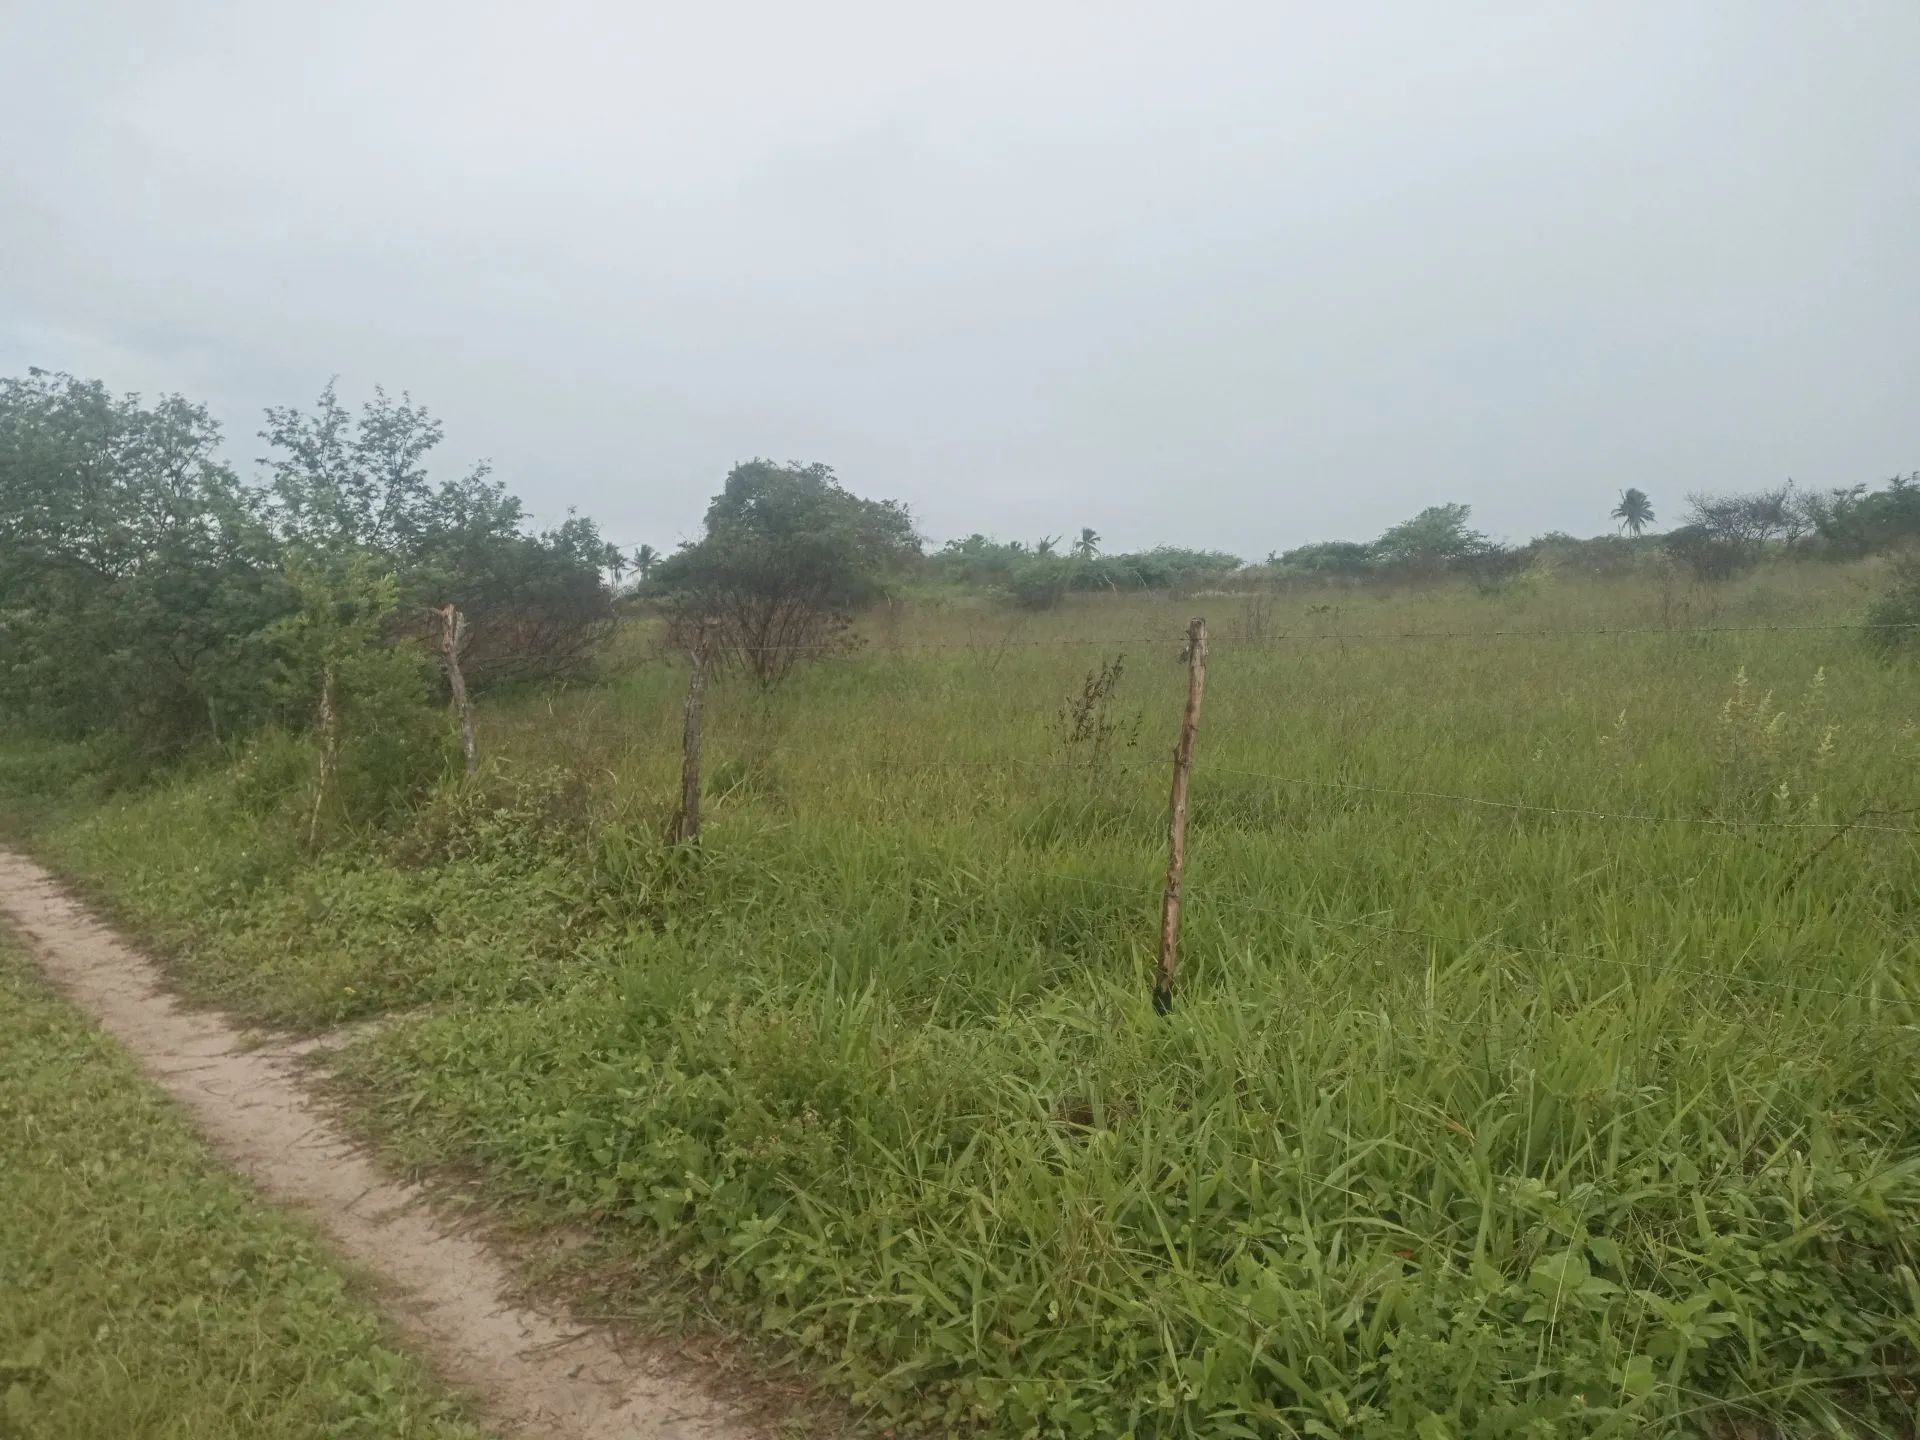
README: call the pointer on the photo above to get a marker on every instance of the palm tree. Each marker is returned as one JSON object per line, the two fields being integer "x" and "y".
{"x": 1635, "y": 511}
{"x": 1044, "y": 546}
{"x": 1088, "y": 545}
{"x": 644, "y": 559}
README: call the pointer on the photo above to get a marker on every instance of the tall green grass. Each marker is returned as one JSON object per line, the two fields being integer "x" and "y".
{"x": 1591, "y": 1112}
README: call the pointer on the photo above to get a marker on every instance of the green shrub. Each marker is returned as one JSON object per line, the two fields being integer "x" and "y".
{"x": 524, "y": 817}
{"x": 1894, "y": 618}
{"x": 1039, "y": 582}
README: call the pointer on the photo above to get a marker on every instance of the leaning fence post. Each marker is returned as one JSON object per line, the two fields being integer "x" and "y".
{"x": 686, "y": 821}
{"x": 1177, "y": 816}
{"x": 453, "y": 638}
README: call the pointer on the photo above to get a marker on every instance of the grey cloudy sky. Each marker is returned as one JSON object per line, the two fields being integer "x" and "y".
{"x": 1231, "y": 274}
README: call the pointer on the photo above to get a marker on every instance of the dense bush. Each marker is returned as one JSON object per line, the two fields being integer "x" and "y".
{"x": 147, "y": 589}
{"x": 1327, "y": 559}
{"x": 1707, "y": 555}
{"x": 1165, "y": 567}
{"x": 1039, "y": 582}
{"x": 1894, "y": 618}
{"x": 1034, "y": 576}
{"x": 1601, "y": 557}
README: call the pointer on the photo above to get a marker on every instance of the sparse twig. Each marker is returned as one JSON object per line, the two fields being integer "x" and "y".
{"x": 1807, "y": 860}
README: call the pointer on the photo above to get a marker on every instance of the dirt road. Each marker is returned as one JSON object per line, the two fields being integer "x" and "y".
{"x": 533, "y": 1372}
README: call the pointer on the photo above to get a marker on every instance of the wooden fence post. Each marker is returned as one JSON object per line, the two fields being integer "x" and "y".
{"x": 1177, "y": 816}
{"x": 686, "y": 821}
{"x": 453, "y": 638}
{"x": 329, "y": 727}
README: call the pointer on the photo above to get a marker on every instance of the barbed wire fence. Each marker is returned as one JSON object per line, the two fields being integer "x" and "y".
{"x": 1195, "y": 648}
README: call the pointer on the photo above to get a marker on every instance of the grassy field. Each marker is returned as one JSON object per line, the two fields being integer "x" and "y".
{"x": 143, "y": 1293}
{"x": 1587, "y": 1112}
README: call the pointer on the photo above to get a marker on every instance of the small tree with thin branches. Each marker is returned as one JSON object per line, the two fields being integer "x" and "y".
{"x": 787, "y": 556}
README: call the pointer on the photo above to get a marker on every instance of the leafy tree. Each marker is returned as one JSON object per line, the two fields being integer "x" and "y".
{"x": 138, "y": 572}
{"x": 1088, "y": 545}
{"x": 1634, "y": 512}
{"x": 341, "y": 484}
{"x": 1045, "y": 544}
{"x": 1435, "y": 540}
{"x": 144, "y": 585}
{"x": 537, "y": 605}
{"x": 1856, "y": 520}
{"x": 645, "y": 558}
{"x": 786, "y": 557}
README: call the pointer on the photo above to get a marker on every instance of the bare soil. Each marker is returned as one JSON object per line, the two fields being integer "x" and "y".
{"x": 533, "y": 1371}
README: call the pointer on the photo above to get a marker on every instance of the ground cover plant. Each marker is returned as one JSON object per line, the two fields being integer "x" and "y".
{"x": 1591, "y": 1111}
{"x": 143, "y": 1292}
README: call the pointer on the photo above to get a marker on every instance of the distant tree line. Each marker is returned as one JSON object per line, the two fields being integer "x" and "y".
{"x": 1037, "y": 576}
{"x": 1720, "y": 536}
{"x": 146, "y": 588}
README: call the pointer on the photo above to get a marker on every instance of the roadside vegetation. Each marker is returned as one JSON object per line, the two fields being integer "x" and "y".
{"x": 143, "y": 1292}
{"x": 1543, "y": 1059}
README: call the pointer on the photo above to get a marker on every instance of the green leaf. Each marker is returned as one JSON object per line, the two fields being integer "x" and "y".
{"x": 1487, "y": 1279}
{"x": 1560, "y": 1275}
{"x": 1636, "y": 1377}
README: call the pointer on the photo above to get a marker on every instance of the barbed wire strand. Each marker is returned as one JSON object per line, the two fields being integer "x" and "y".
{"x": 1573, "y": 811}
{"x": 1485, "y": 802}
{"x": 1226, "y": 644}
{"x": 1613, "y": 630}
{"x": 1206, "y": 897}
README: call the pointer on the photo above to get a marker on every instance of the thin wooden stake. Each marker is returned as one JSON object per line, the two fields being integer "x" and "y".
{"x": 1177, "y": 816}
{"x": 453, "y": 639}
{"x": 329, "y": 727}
{"x": 686, "y": 822}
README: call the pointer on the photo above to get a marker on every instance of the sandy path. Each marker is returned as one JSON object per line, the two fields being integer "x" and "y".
{"x": 534, "y": 1372}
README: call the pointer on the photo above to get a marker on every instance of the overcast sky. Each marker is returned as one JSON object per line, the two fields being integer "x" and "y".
{"x": 1227, "y": 274}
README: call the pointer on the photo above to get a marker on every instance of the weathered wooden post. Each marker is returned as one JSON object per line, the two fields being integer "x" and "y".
{"x": 1177, "y": 816}
{"x": 453, "y": 638}
{"x": 329, "y": 728}
{"x": 686, "y": 821}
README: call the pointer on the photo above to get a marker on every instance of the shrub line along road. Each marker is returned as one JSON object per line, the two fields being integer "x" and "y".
{"x": 535, "y": 1372}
